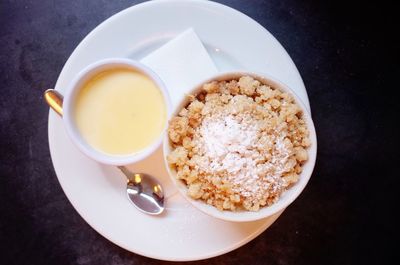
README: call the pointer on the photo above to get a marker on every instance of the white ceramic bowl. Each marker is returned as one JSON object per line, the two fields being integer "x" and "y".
{"x": 287, "y": 197}
{"x": 69, "y": 101}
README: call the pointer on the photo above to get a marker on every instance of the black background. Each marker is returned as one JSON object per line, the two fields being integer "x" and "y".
{"x": 345, "y": 52}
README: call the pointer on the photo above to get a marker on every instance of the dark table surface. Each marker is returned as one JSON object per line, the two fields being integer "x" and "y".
{"x": 344, "y": 216}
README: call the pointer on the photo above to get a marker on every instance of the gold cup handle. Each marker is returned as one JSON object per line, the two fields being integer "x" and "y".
{"x": 55, "y": 100}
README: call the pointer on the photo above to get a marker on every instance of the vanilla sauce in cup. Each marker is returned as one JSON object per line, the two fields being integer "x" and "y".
{"x": 120, "y": 111}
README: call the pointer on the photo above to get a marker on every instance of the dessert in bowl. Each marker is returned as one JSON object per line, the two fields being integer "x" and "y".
{"x": 241, "y": 146}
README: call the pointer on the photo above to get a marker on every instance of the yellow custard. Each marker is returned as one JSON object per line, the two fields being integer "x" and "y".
{"x": 120, "y": 111}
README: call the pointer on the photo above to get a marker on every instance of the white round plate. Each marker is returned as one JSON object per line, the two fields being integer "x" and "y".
{"x": 97, "y": 191}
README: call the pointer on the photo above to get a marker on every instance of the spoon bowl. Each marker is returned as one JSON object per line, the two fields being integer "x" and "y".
{"x": 144, "y": 192}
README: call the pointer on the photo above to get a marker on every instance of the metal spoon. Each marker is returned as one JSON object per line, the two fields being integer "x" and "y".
{"x": 143, "y": 190}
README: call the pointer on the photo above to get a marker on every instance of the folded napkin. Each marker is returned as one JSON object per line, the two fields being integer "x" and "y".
{"x": 181, "y": 63}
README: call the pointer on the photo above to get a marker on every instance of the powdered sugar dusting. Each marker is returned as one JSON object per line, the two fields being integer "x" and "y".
{"x": 223, "y": 135}
{"x": 232, "y": 148}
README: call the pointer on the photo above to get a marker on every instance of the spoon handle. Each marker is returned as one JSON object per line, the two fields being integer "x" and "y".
{"x": 125, "y": 171}
{"x": 55, "y": 100}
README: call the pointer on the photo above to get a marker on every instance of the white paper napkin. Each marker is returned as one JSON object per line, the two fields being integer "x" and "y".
{"x": 181, "y": 63}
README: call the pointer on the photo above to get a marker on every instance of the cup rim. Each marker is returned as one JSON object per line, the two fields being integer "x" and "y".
{"x": 289, "y": 195}
{"x": 68, "y": 120}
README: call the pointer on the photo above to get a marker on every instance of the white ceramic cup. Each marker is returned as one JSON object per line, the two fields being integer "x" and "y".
{"x": 69, "y": 104}
{"x": 288, "y": 196}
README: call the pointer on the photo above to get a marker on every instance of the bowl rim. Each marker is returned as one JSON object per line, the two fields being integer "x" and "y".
{"x": 70, "y": 97}
{"x": 288, "y": 196}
